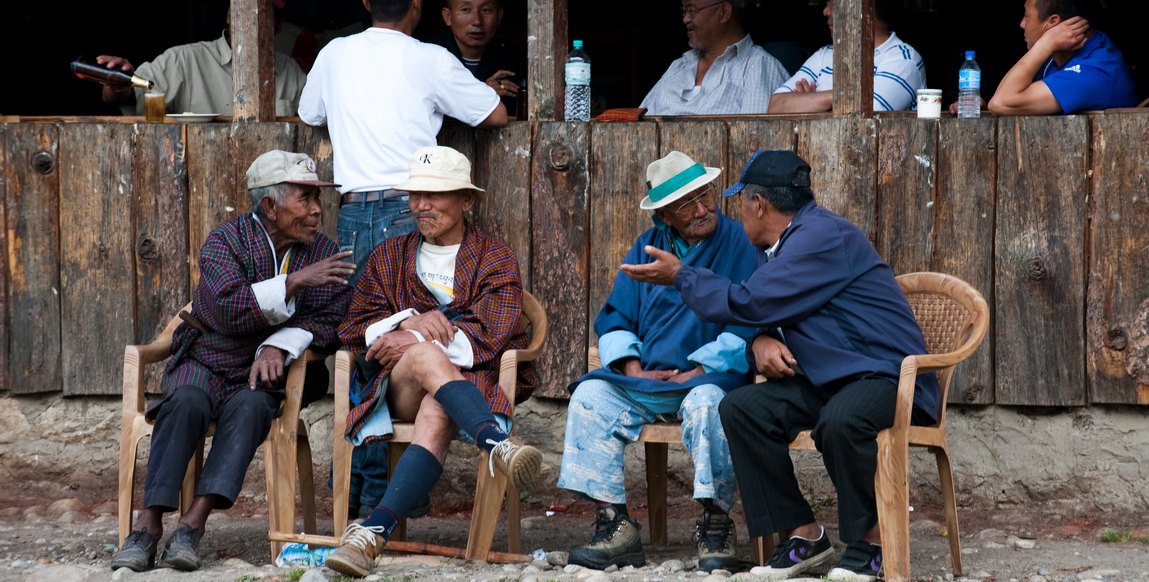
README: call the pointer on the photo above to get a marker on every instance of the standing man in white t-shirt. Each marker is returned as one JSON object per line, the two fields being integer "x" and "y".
{"x": 382, "y": 95}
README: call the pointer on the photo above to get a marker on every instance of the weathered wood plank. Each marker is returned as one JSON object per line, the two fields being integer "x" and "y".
{"x": 966, "y": 174}
{"x": 253, "y": 60}
{"x": 159, "y": 182}
{"x": 853, "y": 58}
{"x": 841, "y": 153}
{"x": 547, "y": 48}
{"x": 5, "y": 161}
{"x": 905, "y": 216}
{"x": 1042, "y": 187}
{"x": 1117, "y": 308}
{"x": 502, "y": 166}
{"x": 97, "y": 251}
{"x": 31, "y": 175}
{"x": 315, "y": 142}
{"x": 218, "y": 158}
{"x": 559, "y": 248}
{"x": 704, "y": 141}
{"x": 618, "y": 185}
{"x": 747, "y": 137}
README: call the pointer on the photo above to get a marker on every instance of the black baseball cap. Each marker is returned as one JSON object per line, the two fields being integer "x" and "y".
{"x": 772, "y": 168}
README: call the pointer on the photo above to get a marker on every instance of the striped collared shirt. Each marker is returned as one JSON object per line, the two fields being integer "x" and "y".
{"x": 741, "y": 80}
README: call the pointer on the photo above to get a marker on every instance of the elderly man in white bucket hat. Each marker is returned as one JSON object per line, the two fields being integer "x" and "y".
{"x": 433, "y": 310}
{"x": 272, "y": 285}
{"x": 661, "y": 362}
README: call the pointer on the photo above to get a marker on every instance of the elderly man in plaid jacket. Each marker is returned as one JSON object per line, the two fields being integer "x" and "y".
{"x": 270, "y": 286}
{"x": 434, "y": 309}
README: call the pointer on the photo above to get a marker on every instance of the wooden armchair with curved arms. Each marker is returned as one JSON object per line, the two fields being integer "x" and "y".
{"x": 489, "y": 491}
{"x": 286, "y": 445}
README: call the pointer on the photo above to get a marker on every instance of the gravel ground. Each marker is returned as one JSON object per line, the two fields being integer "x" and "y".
{"x": 68, "y": 541}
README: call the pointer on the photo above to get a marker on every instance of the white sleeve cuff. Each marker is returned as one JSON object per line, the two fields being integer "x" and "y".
{"x": 292, "y": 340}
{"x": 460, "y": 352}
{"x": 386, "y": 325}
{"x": 271, "y": 295}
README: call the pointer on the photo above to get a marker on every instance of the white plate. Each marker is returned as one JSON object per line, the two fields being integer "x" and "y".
{"x": 193, "y": 117}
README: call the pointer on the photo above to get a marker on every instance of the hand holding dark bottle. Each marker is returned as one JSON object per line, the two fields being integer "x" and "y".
{"x": 115, "y": 73}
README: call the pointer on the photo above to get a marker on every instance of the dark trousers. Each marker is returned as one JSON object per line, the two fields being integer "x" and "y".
{"x": 243, "y": 423}
{"x": 760, "y": 420}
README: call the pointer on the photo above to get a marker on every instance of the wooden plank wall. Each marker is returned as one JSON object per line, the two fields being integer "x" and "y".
{"x": 1046, "y": 216}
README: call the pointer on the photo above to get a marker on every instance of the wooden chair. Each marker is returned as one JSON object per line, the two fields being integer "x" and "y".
{"x": 954, "y": 319}
{"x": 489, "y": 491}
{"x": 286, "y": 445}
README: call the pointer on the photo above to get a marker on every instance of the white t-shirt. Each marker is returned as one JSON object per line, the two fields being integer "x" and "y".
{"x": 383, "y": 95}
{"x": 435, "y": 266}
{"x": 899, "y": 72}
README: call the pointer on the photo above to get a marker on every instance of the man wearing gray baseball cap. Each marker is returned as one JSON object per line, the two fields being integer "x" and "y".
{"x": 833, "y": 327}
{"x": 271, "y": 286}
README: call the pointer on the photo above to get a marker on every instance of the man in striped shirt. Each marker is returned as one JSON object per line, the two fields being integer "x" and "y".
{"x": 898, "y": 72}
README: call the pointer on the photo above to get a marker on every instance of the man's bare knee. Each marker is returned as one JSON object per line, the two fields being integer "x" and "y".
{"x": 427, "y": 364}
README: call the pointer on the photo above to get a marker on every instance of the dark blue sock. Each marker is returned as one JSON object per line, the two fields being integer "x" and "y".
{"x": 469, "y": 409}
{"x": 415, "y": 475}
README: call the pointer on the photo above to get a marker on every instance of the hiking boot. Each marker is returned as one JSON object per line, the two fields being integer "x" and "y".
{"x": 138, "y": 552}
{"x": 716, "y": 542}
{"x": 861, "y": 562}
{"x": 520, "y": 463}
{"x": 795, "y": 556}
{"x": 616, "y": 541}
{"x": 358, "y": 549}
{"x": 181, "y": 551}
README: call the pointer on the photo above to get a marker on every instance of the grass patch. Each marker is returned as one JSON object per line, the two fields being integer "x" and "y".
{"x": 1116, "y": 536}
{"x": 295, "y": 574}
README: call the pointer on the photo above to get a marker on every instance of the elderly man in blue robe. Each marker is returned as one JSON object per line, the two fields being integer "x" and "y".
{"x": 661, "y": 362}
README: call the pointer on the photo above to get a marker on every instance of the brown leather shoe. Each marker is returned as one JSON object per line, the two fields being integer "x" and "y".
{"x": 522, "y": 464}
{"x": 358, "y": 550}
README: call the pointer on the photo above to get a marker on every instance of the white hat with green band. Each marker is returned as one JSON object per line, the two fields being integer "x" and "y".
{"x": 672, "y": 177}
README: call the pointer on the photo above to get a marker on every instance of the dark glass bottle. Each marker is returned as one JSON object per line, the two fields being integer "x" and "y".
{"x": 85, "y": 68}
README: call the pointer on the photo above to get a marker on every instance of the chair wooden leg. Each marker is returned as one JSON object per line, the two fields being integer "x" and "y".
{"x": 340, "y": 475}
{"x": 489, "y": 494}
{"x": 656, "y": 490}
{"x": 762, "y": 548}
{"x": 306, "y": 479}
{"x": 946, "y": 479}
{"x": 129, "y": 445}
{"x": 191, "y": 477}
{"x": 891, "y": 487}
{"x": 514, "y": 519}
{"x": 394, "y": 451}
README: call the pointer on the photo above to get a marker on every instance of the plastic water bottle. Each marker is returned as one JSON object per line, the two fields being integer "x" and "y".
{"x": 578, "y": 84}
{"x": 969, "y": 88}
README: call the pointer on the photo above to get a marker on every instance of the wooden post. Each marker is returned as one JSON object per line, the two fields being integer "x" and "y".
{"x": 854, "y": 58}
{"x": 547, "y": 48}
{"x": 253, "y": 60}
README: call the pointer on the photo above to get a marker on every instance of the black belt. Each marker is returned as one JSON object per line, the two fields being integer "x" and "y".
{"x": 371, "y": 196}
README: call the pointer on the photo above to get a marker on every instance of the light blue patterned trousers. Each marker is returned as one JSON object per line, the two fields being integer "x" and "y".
{"x": 603, "y": 418}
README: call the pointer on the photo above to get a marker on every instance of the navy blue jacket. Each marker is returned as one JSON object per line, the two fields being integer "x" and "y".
{"x": 836, "y": 302}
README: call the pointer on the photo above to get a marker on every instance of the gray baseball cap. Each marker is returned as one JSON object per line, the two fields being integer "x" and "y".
{"x": 280, "y": 167}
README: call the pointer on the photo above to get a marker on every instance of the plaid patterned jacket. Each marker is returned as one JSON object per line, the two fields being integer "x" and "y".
{"x": 488, "y": 295}
{"x": 233, "y": 257}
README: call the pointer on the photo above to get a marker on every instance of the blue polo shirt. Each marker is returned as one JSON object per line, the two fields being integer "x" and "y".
{"x": 1095, "y": 78}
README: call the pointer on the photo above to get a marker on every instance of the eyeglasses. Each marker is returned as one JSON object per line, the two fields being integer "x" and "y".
{"x": 690, "y": 11}
{"x": 687, "y": 210}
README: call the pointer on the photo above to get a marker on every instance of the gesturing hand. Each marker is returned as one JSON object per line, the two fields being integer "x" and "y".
{"x": 432, "y": 324}
{"x": 330, "y": 271}
{"x": 773, "y": 358}
{"x": 267, "y": 368}
{"x": 661, "y": 271}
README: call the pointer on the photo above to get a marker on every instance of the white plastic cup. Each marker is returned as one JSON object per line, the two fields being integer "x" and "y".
{"x": 929, "y": 103}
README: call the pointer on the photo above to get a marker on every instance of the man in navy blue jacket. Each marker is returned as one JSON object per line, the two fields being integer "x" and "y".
{"x": 833, "y": 328}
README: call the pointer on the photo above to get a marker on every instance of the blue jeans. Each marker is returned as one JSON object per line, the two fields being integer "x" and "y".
{"x": 365, "y": 225}
{"x": 362, "y": 227}
{"x": 603, "y": 418}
